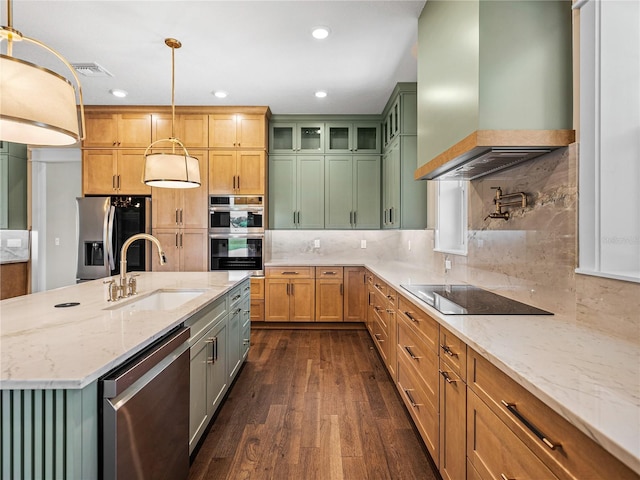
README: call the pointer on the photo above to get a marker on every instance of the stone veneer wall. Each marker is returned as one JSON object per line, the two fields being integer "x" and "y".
{"x": 531, "y": 257}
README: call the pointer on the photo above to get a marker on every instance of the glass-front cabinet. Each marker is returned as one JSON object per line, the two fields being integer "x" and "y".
{"x": 296, "y": 137}
{"x": 352, "y": 137}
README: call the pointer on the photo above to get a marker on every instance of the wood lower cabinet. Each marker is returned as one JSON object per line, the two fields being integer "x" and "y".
{"x": 355, "y": 288}
{"x": 290, "y": 294}
{"x": 257, "y": 299}
{"x": 495, "y": 451}
{"x": 185, "y": 250}
{"x": 453, "y": 407}
{"x": 182, "y": 208}
{"x": 329, "y": 294}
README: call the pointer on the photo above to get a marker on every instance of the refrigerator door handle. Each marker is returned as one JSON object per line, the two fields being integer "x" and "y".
{"x": 110, "y": 262}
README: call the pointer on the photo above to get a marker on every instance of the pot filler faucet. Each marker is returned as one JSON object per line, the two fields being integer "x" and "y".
{"x": 128, "y": 287}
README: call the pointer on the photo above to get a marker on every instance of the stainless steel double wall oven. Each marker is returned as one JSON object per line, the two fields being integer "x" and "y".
{"x": 236, "y": 232}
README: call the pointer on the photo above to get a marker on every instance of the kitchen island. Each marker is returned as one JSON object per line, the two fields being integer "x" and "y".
{"x": 51, "y": 358}
{"x": 587, "y": 377}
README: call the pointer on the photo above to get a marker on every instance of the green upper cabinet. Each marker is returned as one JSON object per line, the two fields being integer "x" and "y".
{"x": 13, "y": 186}
{"x": 292, "y": 137}
{"x": 346, "y": 137}
{"x": 404, "y": 199}
{"x": 352, "y": 191}
{"x": 296, "y": 191}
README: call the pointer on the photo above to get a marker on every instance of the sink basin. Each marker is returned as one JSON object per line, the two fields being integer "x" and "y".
{"x": 158, "y": 300}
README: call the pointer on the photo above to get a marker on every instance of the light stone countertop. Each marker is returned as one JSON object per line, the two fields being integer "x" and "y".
{"x": 44, "y": 347}
{"x": 589, "y": 378}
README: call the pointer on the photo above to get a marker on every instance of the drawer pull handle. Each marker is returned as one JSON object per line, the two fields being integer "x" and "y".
{"x": 408, "y": 349}
{"x": 377, "y": 308}
{"x": 377, "y": 335}
{"x": 411, "y": 317}
{"x": 236, "y": 297}
{"x": 514, "y": 411}
{"x": 410, "y": 398}
{"x": 390, "y": 310}
{"x": 447, "y": 377}
{"x": 448, "y": 351}
{"x": 329, "y": 273}
{"x": 378, "y": 286}
{"x": 504, "y": 477}
{"x": 290, "y": 273}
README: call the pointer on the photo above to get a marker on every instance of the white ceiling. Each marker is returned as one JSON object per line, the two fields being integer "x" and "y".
{"x": 261, "y": 52}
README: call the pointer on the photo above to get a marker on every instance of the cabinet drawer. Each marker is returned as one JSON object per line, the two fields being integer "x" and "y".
{"x": 379, "y": 306}
{"x": 199, "y": 323}
{"x": 380, "y": 286}
{"x": 419, "y": 356}
{"x": 495, "y": 451}
{"x": 392, "y": 298}
{"x": 423, "y": 412}
{"x": 574, "y": 456}
{"x": 329, "y": 272}
{"x": 423, "y": 323}
{"x": 381, "y": 338}
{"x": 290, "y": 272}
{"x": 454, "y": 352}
{"x": 234, "y": 296}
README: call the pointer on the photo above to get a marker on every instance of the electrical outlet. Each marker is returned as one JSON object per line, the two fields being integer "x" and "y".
{"x": 363, "y": 244}
{"x": 316, "y": 243}
{"x": 57, "y": 241}
{"x": 409, "y": 245}
{"x": 447, "y": 264}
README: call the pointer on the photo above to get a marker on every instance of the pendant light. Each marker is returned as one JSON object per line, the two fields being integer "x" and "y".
{"x": 37, "y": 105}
{"x": 171, "y": 170}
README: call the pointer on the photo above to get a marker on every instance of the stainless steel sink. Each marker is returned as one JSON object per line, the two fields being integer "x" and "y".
{"x": 164, "y": 299}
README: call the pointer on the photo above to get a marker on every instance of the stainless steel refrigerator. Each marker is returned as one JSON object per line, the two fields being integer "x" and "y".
{"x": 103, "y": 224}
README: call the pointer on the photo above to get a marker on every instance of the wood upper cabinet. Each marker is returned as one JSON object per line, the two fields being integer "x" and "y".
{"x": 355, "y": 288}
{"x": 191, "y": 129}
{"x": 113, "y": 172}
{"x": 237, "y": 172}
{"x": 182, "y": 208}
{"x": 329, "y": 294}
{"x": 237, "y": 131}
{"x": 117, "y": 130}
{"x": 290, "y": 294}
{"x": 185, "y": 250}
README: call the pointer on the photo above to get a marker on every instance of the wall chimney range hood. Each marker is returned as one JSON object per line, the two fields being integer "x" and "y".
{"x": 506, "y": 98}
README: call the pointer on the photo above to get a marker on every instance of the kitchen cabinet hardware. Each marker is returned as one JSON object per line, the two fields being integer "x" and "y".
{"x": 288, "y": 288}
{"x": 412, "y": 402}
{"x": 411, "y": 317}
{"x": 448, "y": 351}
{"x": 377, "y": 335}
{"x": 543, "y": 438}
{"x": 330, "y": 272}
{"x": 341, "y": 289}
{"x": 410, "y": 352}
{"x": 236, "y": 297}
{"x": 290, "y": 273}
{"x": 390, "y": 310}
{"x": 504, "y": 477}
{"x": 446, "y": 376}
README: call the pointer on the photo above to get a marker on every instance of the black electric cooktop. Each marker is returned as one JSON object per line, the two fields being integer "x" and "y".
{"x": 470, "y": 300}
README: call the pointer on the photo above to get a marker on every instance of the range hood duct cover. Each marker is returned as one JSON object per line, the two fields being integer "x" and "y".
{"x": 482, "y": 161}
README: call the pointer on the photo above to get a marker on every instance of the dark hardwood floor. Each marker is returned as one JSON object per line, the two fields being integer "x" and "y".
{"x": 312, "y": 404}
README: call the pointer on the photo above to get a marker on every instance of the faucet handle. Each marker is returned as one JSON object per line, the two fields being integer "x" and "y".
{"x": 133, "y": 284}
{"x": 112, "y": 290}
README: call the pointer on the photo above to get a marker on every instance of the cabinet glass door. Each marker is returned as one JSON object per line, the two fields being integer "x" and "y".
{"x": 282, "y": 137}
{"x": 367, "y": 138}
{"x": 339, "y": 138}
{"x": 310, "y": 138}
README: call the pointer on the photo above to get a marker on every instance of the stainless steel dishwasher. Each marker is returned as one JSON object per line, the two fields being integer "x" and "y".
{"x": 145, "y": 413}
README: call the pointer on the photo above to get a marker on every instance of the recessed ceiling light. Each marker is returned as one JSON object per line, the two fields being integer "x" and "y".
{"x": 220, "y": 94}
{"x": 117, "y": 92}
{"x": 320, "y": 32}
{"x": 321, "y": 94}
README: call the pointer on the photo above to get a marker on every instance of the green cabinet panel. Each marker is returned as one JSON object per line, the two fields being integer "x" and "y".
{"x": 352, "y": 191}
{"x": 347, "y": 137}
{"x": 13, "y": 186}
{"x": 296, "y": 191}
{"x": 296, "y": 137}
{"x": 234, "y": 356}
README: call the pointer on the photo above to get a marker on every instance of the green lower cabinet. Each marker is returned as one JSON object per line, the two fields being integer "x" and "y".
{"x": 296, "y": 191}
{"x": 352, "y": 192}
{"x": 234, "y": 356}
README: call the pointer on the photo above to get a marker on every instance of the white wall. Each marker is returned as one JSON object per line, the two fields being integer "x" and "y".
{"x": 57, "y": 181}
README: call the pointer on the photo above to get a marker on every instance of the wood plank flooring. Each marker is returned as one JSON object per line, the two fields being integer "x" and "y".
{"x": 312, "y": 405}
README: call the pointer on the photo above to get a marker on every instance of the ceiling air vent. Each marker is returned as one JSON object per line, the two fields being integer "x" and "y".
{"x": 91, "y": 70}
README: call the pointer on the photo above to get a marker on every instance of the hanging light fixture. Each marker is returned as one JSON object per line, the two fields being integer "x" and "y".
{"x": 171, "y": 170}
{"x": 37, "y": 106}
